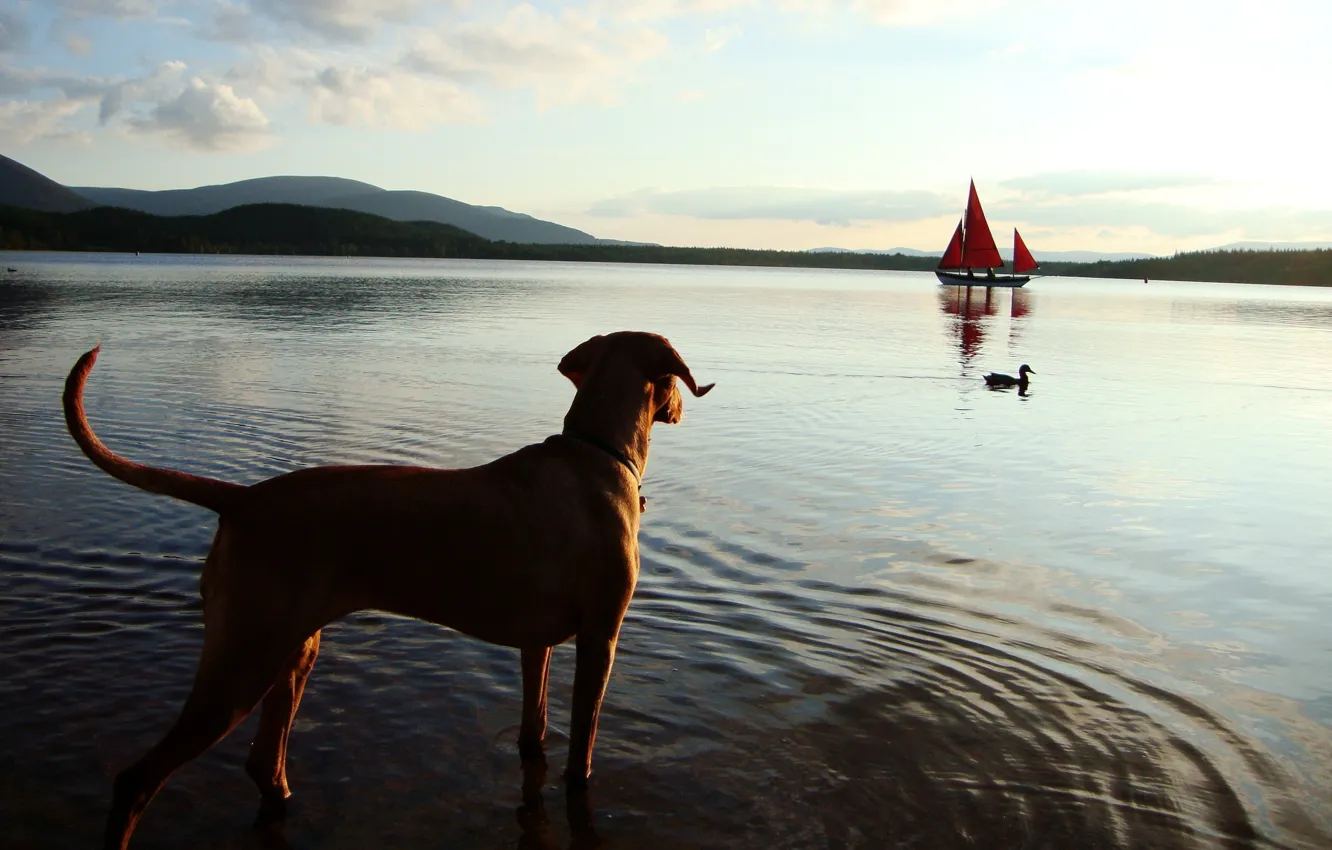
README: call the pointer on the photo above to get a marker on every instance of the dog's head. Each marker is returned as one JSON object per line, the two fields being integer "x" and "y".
{"x": 650, "y": 355}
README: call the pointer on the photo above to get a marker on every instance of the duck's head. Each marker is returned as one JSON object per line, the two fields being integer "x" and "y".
{"x": 1024, "y": 369}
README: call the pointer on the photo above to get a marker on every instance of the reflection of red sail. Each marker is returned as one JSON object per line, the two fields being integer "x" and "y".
{"x": 952, "y": 258}
{"x": 1021, "y": 305}
{"x": 963, "y": 304}
{"x": 978, "y": 248}
{"x": 971, "y": 314}
{"x": 968, "y": 325}
{"x": 1023, "y": 261}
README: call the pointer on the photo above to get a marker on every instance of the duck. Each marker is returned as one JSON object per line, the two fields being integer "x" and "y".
{"x": 998, "y": 379}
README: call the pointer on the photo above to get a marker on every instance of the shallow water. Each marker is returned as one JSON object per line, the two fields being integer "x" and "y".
{"x": 880, "y": 604}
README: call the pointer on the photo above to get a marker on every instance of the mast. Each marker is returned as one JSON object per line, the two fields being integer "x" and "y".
{"x": 978, "y": 248}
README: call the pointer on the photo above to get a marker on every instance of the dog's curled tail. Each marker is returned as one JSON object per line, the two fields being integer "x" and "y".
{"x": 205, "y": 492}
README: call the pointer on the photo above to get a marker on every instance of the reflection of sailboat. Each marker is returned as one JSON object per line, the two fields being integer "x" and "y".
{"x": 972, "y": 312}
{"x": 972, "y": 247}
{"x": 968, "y": 327}
{"x": 1021, "y": 305}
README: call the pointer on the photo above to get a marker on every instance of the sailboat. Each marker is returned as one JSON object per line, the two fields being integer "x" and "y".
{"x": 972, "y": 248}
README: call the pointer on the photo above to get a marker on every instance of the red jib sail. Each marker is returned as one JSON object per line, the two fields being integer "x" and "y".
{"x": 1023, "y": 261}
{"x": 952, "y": 258}
{"x": 978, "y": 248}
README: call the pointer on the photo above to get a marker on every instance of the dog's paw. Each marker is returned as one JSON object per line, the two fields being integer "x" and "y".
{"x": 575, "y": 781}
{"x": 272, "y": 812}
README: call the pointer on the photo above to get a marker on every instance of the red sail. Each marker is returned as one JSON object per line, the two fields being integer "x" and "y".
{"x": 978, "y": 249}
{"x": 952, "y": 258}
{"x": 1023, "y": 261}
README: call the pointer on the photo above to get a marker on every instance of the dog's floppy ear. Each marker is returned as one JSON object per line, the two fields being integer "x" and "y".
{"x": 578, "y": 362}
{"x": 671, "y": 363}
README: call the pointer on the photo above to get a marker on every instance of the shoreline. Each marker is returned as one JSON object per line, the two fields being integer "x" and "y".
{"x": 1070, "y": 274}
{"x": 293, "y": 230}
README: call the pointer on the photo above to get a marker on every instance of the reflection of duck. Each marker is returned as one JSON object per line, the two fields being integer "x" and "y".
{"x": 998, "y": 379}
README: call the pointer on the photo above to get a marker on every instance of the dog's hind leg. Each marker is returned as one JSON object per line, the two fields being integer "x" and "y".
{"x": 536, "y": 679}
{"x": 595, "y": 655}
{"x": 267, "y": 764}
{"x": 241, "y": 659}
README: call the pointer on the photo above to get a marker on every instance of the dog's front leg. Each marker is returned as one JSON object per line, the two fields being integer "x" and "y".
{"x": 595, "y": 653}
{"x": 536, "y": 679}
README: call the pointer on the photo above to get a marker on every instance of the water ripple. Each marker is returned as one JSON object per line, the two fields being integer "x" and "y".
{"x": 877, "y": 607}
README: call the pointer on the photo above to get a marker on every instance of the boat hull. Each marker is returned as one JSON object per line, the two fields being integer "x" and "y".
{"x": 1009, "y": 281}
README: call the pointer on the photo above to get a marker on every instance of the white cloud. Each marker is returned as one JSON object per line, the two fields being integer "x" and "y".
{"x": 1165, "y": 219}
{"x": 340, "y": 90}
{"x": 339, "y": 20}
{"x": 113, "y": 96}
{"x": 18, "y": 81}
{"x": 715, "y": 38}
{"x": 121, "y": 9}
{"x": 155, "y": 87}
{"x": 187, "y": 109}
{"x": 923, "y": 12}
{"x": 822, "y": 206}
{"x": 1084, "y": 183}
{"x": 566, "y": 58}
{"x": 207, "y": 116}
{"x": 899, "y": 12}
{"x": 650, "y": 10}
{"x": 78, "y": 45}
{"x": 387, "y": 98}
{"x": 25, "y": 121}
{"x": 14, "y": 32}
{"x": 23, "y": 82}
{"x": 231, "y": 22}
{"x": 1069, "y": 210}
{"x": 443, "y": 73}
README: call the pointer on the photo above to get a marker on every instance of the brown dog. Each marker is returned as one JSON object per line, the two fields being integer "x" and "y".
{"x": 528, "y": 551}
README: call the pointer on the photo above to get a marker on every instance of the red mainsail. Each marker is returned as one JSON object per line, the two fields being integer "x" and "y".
{"x": 1023, "y": 261}
{"x": 978, "y": 248}
{"x": 952, "y": 258}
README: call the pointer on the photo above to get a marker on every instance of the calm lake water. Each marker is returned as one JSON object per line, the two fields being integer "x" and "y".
{"x": 880, "y": 606}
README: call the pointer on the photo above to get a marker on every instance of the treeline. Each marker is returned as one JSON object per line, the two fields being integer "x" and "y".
{"x": 1298, "y": 268}
{"x": 254, "y": 229}
{"x": 317, "y": 231}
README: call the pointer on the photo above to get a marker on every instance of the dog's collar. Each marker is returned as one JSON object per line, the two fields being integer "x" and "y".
{"x": 608, "y": 449}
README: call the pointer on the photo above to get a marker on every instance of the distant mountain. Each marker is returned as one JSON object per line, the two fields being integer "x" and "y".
{"x": 906, "y": 252}
{"x": 494, "y": 223}
{"x": 321, "y": 231}
{"x": 601, "y": 241}
{"x": 248, "y": 229}
{"x": 206, "y": 200}
{"x": 1081, "y": 256}
{"x": 1007, "y": 254}
{"x": 1273, "y": 246}
{"x": 22, "y": 187}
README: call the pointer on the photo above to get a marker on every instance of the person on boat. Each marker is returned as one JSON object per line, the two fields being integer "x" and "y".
{"x": 971, "y": 273}
{"x": 989, "y": 273}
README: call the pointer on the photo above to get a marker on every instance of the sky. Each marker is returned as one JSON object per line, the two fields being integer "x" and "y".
{"x": 1137, "y": 125}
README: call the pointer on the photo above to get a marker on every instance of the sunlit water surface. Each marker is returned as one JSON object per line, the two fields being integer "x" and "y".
{"x": 880, "y": 605}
